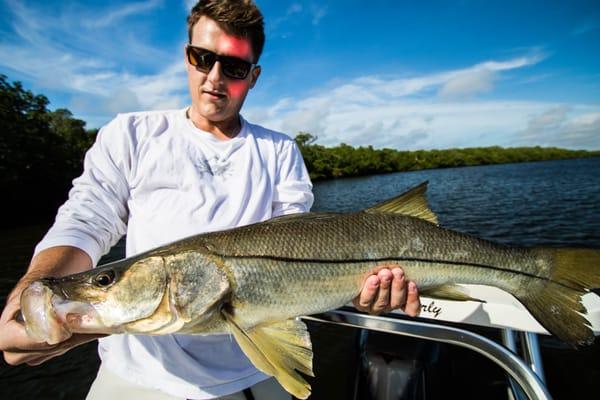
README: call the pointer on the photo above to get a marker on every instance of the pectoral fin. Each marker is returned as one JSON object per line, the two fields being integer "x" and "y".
{"x": 278, "y": 349}
{"x": 448, "y": 291}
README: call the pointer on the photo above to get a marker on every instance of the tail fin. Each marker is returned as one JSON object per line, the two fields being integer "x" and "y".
{"x": 579, "y": 268}
{"x": 556, "y": 303}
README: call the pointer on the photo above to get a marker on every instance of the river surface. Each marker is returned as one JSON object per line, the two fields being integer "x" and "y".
{"x": 554, "y": 203}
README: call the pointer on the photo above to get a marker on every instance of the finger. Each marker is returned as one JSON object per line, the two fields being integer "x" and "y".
{"x": 413, "y": 303}
{"x": 40, "y": 360}
{"x": 38, "y": 357}
{"x": 367, "y": 294}
{"x": 14, "y": 338}
{"x": 382, "y": 299}
{"x": 73, "y": 341}
{"x": 45, "y": 357}
{"x": 30, "y": 358}
{"x": 398, "y": 294}
{"x": 19, "y": 356}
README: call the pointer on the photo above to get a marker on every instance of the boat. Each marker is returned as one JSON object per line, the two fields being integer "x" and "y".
{"x": 518, "y": 352}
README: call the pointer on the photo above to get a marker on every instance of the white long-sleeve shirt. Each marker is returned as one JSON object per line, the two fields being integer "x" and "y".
{"x": 157, "y": 178}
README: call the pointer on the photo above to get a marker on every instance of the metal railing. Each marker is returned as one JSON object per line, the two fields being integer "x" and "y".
{"x": 516, "y": 368}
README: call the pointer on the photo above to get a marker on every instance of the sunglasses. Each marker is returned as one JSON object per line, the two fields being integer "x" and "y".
{"x": 232, "y": 67}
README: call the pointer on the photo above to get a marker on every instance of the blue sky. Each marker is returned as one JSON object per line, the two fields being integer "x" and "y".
{"x": 399, "y": 74}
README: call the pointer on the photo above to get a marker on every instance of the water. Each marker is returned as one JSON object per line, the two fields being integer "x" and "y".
{"x": 554, "y": 203}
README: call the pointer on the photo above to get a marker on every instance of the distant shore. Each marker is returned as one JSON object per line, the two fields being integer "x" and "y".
{"x": 344, "y": 161}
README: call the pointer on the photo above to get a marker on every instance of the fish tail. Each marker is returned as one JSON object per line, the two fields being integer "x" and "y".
{"x": 556, "y": 302}
{"x": 577, "y": 267}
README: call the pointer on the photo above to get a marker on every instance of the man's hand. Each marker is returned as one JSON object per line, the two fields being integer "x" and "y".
{"x": 19, "y": 348}
{"x": 388, "y": 290}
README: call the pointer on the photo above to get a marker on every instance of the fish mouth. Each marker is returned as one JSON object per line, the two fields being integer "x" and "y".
{"x": 77, "y": 316}
{"x": 51, "y": 318}
{"x": 41, "y": 322}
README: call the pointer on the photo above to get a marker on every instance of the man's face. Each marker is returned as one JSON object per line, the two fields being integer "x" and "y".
{"x": 216, "y": 97}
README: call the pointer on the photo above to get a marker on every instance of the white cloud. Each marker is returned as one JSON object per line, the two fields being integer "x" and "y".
{"x": 166, "y": 89}
{"x": 295, "y": 14}
{"x": 90, "y": 64}
{"x": 548, "y": 120}
{"x": 480, "y": 78}
{"x": 464, "y": 82}
{"x": 109, "y": 17}
{"x": 431, "y": 111}
{"x": 468, "y": 83}
{"x": 563, "y": 126}
{"x": 582, "y": 131}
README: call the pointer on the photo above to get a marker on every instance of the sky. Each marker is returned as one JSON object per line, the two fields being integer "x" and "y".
{"x": 399, "y": 74}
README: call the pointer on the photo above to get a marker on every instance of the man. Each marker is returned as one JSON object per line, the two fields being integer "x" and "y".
{"x": 164, "y": 175}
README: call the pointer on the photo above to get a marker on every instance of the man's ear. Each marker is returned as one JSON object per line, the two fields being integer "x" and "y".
{"x": 255, "y": 74}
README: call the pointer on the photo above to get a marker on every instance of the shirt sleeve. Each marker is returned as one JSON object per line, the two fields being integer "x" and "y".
{"x": 293, "y": 188}
{"x": 95, "y": 215}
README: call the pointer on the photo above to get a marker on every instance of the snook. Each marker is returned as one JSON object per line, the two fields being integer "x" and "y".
{"x": 253, "y": 281}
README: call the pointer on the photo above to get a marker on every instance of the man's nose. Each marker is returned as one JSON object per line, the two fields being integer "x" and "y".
{"x": 215, "y": 74}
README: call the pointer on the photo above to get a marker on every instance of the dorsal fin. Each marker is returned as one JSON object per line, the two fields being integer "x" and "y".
{"x": 412, "y": 203}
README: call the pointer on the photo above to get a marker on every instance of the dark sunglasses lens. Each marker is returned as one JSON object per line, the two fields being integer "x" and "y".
{"x": 201, "y": 59}
{"x": 235, "y": 68}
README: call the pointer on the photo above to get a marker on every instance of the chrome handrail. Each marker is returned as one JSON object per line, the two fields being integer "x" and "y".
{"x": 508, "y": 340}
{"x": 510, "y": 362}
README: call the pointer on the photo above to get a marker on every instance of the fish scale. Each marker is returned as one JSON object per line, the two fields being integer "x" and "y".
{"x": 365, "y": 236}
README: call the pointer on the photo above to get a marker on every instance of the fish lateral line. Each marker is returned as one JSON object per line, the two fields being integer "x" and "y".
{"x": 400, "y": 260}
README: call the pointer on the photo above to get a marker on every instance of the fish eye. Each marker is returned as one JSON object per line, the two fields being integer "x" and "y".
{"x": 105, "y": 278}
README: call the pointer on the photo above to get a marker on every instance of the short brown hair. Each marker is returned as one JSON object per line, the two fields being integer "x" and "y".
{"x": 240, "y": 18}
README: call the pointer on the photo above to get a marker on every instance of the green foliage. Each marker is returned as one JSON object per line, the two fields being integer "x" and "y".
{"x": 344, "y": 160}
{"x": 41, "y": 151}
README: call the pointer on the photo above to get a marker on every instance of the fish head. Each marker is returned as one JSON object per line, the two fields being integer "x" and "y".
{"x": 101, "y": 300}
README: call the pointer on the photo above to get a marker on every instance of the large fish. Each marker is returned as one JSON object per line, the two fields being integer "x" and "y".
{"x": 254, "y": 280}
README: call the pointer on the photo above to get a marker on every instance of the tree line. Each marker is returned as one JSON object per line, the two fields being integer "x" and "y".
{"x": 345, "y": 161}
{"x": 41, "y": 152}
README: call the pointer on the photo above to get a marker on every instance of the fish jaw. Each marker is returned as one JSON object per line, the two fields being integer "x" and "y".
{"x": 41, "y": 322}
{"x": 80, "y": 317}
{"x": 51, "y": 318}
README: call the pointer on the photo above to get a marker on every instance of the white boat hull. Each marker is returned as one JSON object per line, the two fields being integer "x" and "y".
{"x": 501, "y": 310}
